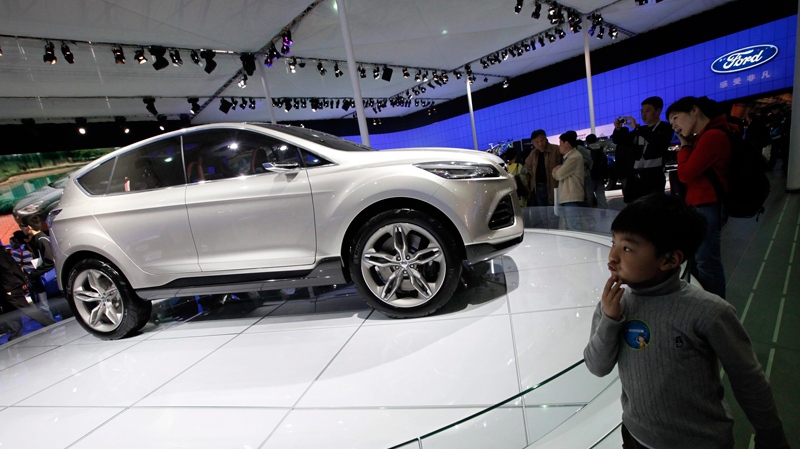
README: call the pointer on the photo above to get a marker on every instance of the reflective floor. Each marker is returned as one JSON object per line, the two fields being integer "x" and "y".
{"x": 312, "y": 368}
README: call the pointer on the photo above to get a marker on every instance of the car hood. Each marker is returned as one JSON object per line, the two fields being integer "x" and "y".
{"x": 431, "y": 154}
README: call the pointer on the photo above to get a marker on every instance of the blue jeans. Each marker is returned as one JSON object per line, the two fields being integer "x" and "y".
{"x": 540, "y": 196}
{"x": 572, "y": 215}
{"x": 708, "y": 260}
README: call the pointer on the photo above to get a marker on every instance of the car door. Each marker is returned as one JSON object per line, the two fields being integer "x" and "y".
{"x": 144, "y": 211}
{"x": 244, "y": 216}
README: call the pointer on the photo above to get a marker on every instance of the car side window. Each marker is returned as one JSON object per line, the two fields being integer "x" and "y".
{"x": 96, "y": 181}
{"x": 312, "y": 160}
{"x": 152, "y": 166}
{"x": 227, "y": 153}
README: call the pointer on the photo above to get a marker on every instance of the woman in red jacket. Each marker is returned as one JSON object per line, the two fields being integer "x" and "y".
{"x": 705, "y": 146}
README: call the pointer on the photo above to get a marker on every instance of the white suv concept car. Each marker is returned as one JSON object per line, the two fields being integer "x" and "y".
{"x": 237, "y": 207}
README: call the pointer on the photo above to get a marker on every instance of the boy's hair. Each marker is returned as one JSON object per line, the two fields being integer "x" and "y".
{"x": 34, "y": 221}
{"x": 665, "y": 221}
{"x": 571, "y": 137}
{"x": 590, "y": 139}
{"x": 537, "y": 133}
{"x": 655, "y": 102}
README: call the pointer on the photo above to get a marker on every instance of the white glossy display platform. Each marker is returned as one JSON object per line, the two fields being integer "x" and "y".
{"x": 322, "y": 373}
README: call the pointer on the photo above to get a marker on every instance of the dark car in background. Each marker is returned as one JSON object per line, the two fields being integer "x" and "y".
{"x": 41, "y": 201}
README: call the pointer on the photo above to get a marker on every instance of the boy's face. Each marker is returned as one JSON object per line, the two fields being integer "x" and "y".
{"x": 635, "y": 262}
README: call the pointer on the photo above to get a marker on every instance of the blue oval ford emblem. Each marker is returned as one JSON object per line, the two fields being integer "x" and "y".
{"x": 744, "y": 58}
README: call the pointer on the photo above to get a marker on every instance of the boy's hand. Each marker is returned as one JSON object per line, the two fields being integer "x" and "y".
{"x": 612, "y": 294}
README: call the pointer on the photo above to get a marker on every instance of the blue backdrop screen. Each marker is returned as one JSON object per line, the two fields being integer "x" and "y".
{"x": 616, "y": 92}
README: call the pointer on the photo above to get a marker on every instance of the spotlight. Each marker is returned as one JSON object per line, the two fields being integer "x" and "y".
{"x": 641, "y": 2}
{"x": 425, "y": 77}
{"x": 68, "y": 56}
{"x": 252, "y": 103}
{"x": 537, "y": 10}
{"x": 158, "y": 53}
{"x": 346, "y": 104}
{"x": 151, "y": 105}
{"x": 195, "y": 57}
{"x": 600, "y": 32}
{"x": 322, "y": 71}
{"x": 485, "y": 79}
{"x": 468, "y": 69}
{"x": 243, "y": 82}
{"x": 612, "y": 32}
{"x": 234, "y": 103}
{"x": 208, "y": 55}
{"x": 119, "y": 55}
{"x": 225, "y": 105}
{"x": 527, "y": 46}
{"x": 541, "y": 41}
{"x": 551, "y": 37}
{"x": 301, "y": 64}
{"x": 417, "y": 76}
{"x": 405, "y": 73}
{"x": 387, "y": 73}
{"x": 457, "y": 74}
{"x": 336, "y": 72}
{"x": 1, "y": 51}
{"x": 121, "y": 123}
{"x": 49, "y": 56}
{"x": 422, "y": 89}
{"x": 445, "y": 78}
{"x": 162, "y": 122}
{"x": 272, "y": 55}
{"x": 81, "y": 125}
{"x": 293, "y": 65}
{"x": 287, "y": 38}
{"x": 195, "y": 102}
{"x": 518, "y": 8}
{"x": 561, "y": 33}
{"x": 362, "y": 72}
{"x": 139, "y": 56}
{"x": 248, "y": 63}
{"x": 376, "y": 72}
{"x": 505, "y": 83}
{"x": 243, "y": 103}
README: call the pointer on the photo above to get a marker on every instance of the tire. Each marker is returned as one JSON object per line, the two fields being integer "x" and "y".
{"x": 404, "y": 263}
{"x": 103, "y": 302}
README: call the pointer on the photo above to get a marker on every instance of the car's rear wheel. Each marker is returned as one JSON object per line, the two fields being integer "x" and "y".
{"x": 404, "y": 263}
{"x": 103, "y": 301}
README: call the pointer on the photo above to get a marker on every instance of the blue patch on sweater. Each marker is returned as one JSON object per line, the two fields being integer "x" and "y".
{"x": 636, "y": 334}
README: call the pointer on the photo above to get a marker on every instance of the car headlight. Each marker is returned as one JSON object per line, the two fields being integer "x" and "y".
{"x": 32, "y": 208}
{"x": 460, "y": 170}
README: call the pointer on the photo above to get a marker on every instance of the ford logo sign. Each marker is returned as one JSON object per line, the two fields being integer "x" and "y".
{"x": 744, "y": 58}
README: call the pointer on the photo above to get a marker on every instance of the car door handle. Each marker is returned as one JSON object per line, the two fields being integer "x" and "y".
{"x": 280, "y": 167}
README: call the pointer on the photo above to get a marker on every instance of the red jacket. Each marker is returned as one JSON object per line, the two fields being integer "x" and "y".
{"x": 712, "y": 148}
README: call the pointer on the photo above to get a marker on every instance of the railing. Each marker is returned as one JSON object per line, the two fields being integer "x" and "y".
{"x": 520, "y": 421}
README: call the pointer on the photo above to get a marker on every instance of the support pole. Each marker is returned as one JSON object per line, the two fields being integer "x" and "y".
{"x": 588, "y": 61}
{"x": 472, "y": 115}
{"x": 262, "y": 72}
{"x": 351, "y": 63}
{"x": 793, "y": 159}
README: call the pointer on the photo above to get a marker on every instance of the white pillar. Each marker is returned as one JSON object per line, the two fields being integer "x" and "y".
{"x": 262, "y": 72}
{"x": 588, "y": 62}
{"x": 793, "y": 172}
{"x": 472, "y": 114}
{"x": 351, "y": 63}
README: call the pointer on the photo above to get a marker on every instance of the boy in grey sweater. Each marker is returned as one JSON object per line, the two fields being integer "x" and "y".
{"x": 668, "y": 337}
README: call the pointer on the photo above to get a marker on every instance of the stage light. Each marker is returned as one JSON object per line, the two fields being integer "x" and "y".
{"x": 405, "y": 73}
{"x": 49, "y": 56}
{"x": 162, "y": 122}
{"x": 139, "y": 56}
{"x": 68, "y": 56}
{"x": 158, "y": 53}
{"x": 151, "y": 105}
{"x": 336, "y": 72}
{"x": 81, "y": 125}
{"x": 322, "y": 71}
{"x": 195, "y": 57}
{"x": 119, "y": 55}
{"x": 518, "y": 7}
{"x": 234, "y": 103}
{"x": 417, "y": 77}
{"x": 600, "y": 32}
{"x": 121, "y": 122}
{"x": 175, "y": 56}
{"x": 293, "y": 65}
{"x": 376, "y": 72}
{"x": 243, "y": 103}
{"x": 537, "y": 10}
{"x": 243, "y": 82}
{"x": 505, "y": 83}
{"x": 195, "y": 102}
{"x": 613, "y": 32}
{"x": 252, "y": 104}
{"x": 208, "y": 55}
{"x": 1, "y": 51}
{"x": 225, "y": 105}
{"x": 387, "y": 73}
{"x": 248, "y": 63}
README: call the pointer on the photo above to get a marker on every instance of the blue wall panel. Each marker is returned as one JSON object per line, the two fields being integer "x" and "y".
{"x": 617, "y": 92}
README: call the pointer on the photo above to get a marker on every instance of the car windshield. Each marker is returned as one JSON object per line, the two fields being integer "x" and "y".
{"x": 329, "y": 140}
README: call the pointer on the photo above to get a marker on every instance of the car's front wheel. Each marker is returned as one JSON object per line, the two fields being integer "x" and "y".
{"x": 103, "y": 302}
{"x": 404, "y": 263}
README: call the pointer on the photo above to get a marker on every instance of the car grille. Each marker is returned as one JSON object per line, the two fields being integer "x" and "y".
{"x": 503, "y": 215}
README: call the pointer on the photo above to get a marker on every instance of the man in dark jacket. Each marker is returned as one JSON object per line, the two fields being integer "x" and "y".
{"x": 647, "y": 145}
{"x": 41, "y": 257}
{"x": 12, "y": 298}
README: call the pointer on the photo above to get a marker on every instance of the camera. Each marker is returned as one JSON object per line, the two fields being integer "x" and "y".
{"x": 620, "y": 121}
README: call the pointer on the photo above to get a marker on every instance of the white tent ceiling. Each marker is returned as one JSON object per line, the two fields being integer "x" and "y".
{"x": 430, "y": 34}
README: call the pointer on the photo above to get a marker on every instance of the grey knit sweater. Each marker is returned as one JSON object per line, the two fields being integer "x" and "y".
{"x": 667, "y": 345}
